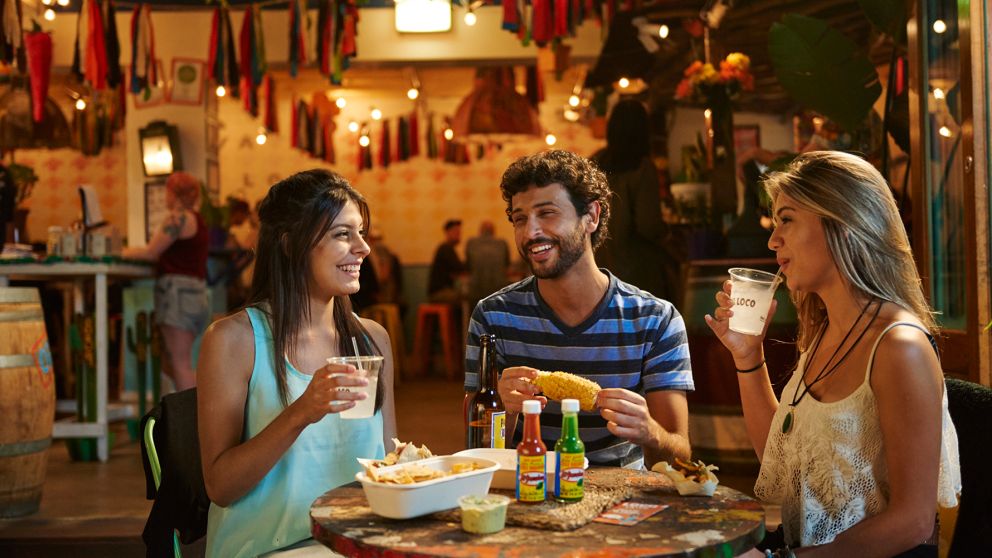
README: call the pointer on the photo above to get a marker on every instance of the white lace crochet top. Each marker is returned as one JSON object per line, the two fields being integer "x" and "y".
{"x": 829, "y": 472}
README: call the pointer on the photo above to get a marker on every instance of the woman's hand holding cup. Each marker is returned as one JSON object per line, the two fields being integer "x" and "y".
{"x": 323, "y": 397}
{"x": 746, "y": 349}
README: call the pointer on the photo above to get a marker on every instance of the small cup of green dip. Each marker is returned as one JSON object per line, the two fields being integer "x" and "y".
{"x": 483, "y": 514}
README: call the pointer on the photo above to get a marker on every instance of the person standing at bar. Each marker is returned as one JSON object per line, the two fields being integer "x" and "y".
{"x": 635, "y": 251}
{"x": 179, "y": 249}
{"x": 574, "y": 316}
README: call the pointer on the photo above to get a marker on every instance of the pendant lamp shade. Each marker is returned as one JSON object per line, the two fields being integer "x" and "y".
{"x": 18, "y": 130}
{"x": 494, "y": 111}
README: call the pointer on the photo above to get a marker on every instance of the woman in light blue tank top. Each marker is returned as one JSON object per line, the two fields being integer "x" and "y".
{"x": 271, "y": 436}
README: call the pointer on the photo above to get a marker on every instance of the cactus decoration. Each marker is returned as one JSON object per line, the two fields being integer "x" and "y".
{"x": 138, "y": 344}
{"x": 81, "y": 344}
{"x": 156, "y": 357}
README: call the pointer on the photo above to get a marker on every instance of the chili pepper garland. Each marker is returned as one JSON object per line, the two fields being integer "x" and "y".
{"x": 38, "y": 45}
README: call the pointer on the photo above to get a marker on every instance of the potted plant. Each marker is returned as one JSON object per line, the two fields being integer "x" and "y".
{"x": 24, "y": 179}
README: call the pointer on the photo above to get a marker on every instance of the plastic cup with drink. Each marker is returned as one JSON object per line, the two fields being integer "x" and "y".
{"x": 368, "y": 367}
{"x": 752, "y": 292}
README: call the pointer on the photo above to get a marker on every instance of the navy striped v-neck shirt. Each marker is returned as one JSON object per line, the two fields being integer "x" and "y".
{"x": 632, "y": 340}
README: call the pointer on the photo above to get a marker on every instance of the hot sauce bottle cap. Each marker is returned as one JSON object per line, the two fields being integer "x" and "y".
{"x": 532, "y": 407}
{"x": 570, "y": 405}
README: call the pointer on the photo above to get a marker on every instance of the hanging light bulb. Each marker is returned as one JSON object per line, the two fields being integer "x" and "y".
{"x": 707, "y": 113}
{"x": 573, "y": 101}
{"x": 63, "y": 3}
{"x": 49, "y": 15}
{"x": 80, "y": 104}
{"x": 570, "y": 115}
{"x": 939, "y": 26}
{"x": 945, "y": 131}
{"x": 376, "y": 114}
{"x": 261, "y": 138}
{"x": 449, "y": 134}
{"x": 353, "y": 127}
{"x": 938, "y": 93}
{"x": 663, "y": 31}
{"x": 412, "y": 93}
{"x": 221, "y": 91}
{"x": 340, "y": 102}
{"x": 364, "y": 141}
{"x": 550, "y": 139}
{"x": 470, "y": 18}
{"x": 47, "y": 2}
{"x": 624, "y": 83}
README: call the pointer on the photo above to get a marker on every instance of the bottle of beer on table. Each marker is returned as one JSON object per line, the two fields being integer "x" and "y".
{"x": 570, "y": 470}
{"x": 486, "y": 413}
{"x": 531, "y": 457}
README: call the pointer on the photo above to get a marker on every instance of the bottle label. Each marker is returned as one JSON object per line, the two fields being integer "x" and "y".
{"x": 498, "y": 430}
{"x": 569, "y": 476}
{"x": 531, "y": 477}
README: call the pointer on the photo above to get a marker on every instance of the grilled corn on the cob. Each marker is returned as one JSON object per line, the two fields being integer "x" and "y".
{"x": 562, "y": 385}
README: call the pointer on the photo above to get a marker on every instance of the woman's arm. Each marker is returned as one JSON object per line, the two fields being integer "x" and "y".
{"x": 908, "y": 387}
{"x": 231, "y": 468}
{"x": 381, "y": 338}
{"x": 176, "y": 225}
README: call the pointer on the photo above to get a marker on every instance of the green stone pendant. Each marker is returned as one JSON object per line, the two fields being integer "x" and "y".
{"x": 787, "y": 423}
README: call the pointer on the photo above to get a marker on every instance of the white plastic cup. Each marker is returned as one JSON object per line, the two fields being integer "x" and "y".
{"x": 752, "y": 291}
{"x": 368, "y": 367}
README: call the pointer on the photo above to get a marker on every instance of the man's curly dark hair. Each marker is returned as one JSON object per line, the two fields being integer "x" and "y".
{"x": 584, "y": 182}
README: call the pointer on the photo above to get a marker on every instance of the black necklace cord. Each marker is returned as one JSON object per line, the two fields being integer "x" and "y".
{"x": 825, "y": 372}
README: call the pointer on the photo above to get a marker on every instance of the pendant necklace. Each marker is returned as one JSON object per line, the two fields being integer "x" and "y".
{"x": 827, "y": 370}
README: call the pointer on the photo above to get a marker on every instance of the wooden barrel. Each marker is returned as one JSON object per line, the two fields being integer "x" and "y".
{"x": 27, "y": 401}
{"x": 716, "y": 422}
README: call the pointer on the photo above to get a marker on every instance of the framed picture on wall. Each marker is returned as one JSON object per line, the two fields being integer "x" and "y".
{"x": 746, "y": 138}
{"x": 155, "y": 94}
{"x": 187, "y": 81}
{"x": 155, "y": 208}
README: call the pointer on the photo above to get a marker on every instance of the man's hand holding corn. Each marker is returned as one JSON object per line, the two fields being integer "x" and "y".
{"x": 516, "y": 385}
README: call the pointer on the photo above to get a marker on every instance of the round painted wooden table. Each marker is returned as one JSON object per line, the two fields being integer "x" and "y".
{"x": 724, "y": 525}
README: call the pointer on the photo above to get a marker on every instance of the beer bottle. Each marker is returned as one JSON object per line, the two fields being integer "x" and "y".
{"x": 486, "y": 413}
{"x": 532, "y": 457}
{"x": 569, "y": 473}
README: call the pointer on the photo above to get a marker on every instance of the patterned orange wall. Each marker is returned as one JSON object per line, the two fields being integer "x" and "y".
{"x": 55, "y": 200}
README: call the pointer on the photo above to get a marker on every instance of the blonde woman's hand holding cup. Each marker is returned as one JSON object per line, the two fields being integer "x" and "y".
{"x": 746, "y": 349}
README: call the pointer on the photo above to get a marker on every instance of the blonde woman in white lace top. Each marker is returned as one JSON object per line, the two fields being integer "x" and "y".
{"x": 860, "y": 449}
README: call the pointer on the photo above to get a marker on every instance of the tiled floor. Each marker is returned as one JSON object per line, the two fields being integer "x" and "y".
{"x": 99, "y": 509}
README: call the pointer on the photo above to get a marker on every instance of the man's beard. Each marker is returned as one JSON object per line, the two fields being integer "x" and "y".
{"x": 570, "y": 250}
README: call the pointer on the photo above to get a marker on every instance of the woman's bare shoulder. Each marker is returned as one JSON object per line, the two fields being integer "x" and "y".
{"x": 228, "y": 343}
{"x": 376, "y": 330}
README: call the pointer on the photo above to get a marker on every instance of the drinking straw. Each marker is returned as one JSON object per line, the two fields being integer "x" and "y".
{"x": 354, "y": 343}
{"x": 775, "y": 281}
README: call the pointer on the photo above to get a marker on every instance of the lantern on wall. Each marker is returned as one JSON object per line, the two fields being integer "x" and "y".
{"x": 160, "y": 153}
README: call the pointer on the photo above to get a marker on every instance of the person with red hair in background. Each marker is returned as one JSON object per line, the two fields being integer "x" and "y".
{"x": 179, "y": 248}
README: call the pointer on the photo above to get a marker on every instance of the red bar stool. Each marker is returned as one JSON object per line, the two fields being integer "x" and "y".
{"x": 429, "y": 314}
{"x": 388, "y": 316}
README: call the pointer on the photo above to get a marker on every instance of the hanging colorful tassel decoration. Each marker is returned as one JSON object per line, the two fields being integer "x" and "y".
{"x": 269, "y": 119}
{"x": 112, "y": 44}
{"x": 414, "y": 135}
{"x": 222, "y": 64}
{"x": 385, "y": 155}
{"x": 541, "y": 22}
{"x": 11, "y": 34}
{"x": 294, "y": 123}
{"x": 329, "y": 154}
{"x": 38, "y": 45}
{"x": 402, "y": 139}
{"x": 432, "y": 144}
{"x": 316, "y": 135}
{"x": 253, "y": 65}
{"x": 535, "y": 87}
{"x": 297, "y": 35}
{"x": 90, "y": 47}
{"x": 143, "y": 70}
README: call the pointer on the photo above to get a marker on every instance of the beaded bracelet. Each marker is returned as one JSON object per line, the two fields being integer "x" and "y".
{"x": 749, "y": 370}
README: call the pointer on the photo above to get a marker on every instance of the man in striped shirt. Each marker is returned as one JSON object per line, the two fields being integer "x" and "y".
{"x": 575, "y": 317}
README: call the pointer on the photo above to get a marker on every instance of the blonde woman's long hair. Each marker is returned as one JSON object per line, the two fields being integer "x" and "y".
{"x": 864, "y": 234}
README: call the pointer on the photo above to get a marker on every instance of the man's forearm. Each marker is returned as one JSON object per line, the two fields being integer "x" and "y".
{"x": 666, "y": 447}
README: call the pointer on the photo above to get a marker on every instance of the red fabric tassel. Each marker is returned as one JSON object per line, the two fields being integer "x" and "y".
{"x": 511, "y": 19}
{"x": 414, "y": 134}
{"x": 95, "y": 57}
{"x": 213, "y": 45}
{"x": 561, "y": 18}
{"x": 385, "y": 156}
{"x": 294, "y": 124}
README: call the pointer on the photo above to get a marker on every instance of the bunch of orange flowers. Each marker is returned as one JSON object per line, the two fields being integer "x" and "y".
{"x": 702, "y": 81}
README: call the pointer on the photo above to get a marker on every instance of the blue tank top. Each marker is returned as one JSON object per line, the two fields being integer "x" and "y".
{"x": 276, "y": 512}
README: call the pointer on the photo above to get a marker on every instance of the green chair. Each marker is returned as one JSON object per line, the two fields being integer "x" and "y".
{"x": 157, "y": 474}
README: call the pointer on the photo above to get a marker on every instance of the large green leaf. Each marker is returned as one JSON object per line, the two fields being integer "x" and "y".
{"x": 822, "y": 69}
{"x": 888, "y": 16}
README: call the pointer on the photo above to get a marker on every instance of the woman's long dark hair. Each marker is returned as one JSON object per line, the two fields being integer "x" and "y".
{"x": 294, "y": 216}
{"x": 628, "y": 138}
